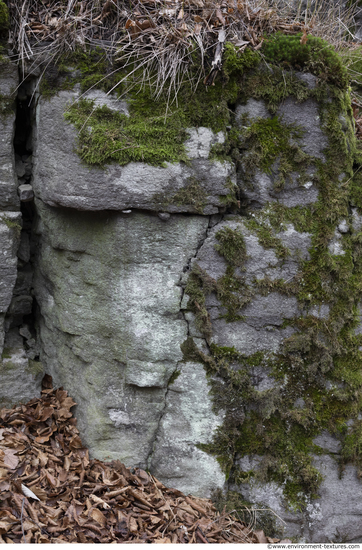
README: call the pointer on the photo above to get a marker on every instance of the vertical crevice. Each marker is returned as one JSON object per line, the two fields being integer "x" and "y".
{"x": 20, "y": 318}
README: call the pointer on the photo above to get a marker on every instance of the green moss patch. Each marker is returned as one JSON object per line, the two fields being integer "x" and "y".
{"x": 232, "y": 246}
{"x": 315, "y": 56}
{"x": 192, "y": 194}
{"x": 4, "y": 17}
{"x": 155, "y": 131}
{"x": 11, "y": 224}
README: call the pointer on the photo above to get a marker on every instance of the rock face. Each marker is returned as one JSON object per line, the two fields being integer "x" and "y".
{"x": 9, "y": 203}
{"x": 123, "y": 272}
{"x": 213, "y": 340}
{"x": 20, "y": 374}
{"x": 136, "y": 185}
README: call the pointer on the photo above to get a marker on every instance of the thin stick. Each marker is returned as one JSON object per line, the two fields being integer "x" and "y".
{"x": 21, "y": 519}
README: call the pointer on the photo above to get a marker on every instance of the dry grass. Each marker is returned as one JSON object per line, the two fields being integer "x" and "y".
{"x": 163, "y": 34}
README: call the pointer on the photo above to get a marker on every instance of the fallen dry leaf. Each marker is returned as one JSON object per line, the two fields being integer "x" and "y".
{"x": 136, "y": 507}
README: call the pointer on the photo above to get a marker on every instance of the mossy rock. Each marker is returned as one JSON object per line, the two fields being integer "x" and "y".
{"x": 4, "y": 18}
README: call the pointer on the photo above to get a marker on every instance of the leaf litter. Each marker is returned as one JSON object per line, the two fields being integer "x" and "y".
{"x": 52, "y": 492}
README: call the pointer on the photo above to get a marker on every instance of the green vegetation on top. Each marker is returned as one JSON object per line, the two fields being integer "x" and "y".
{"x": 315, "y": 56}
{"x": 155, "y": 130}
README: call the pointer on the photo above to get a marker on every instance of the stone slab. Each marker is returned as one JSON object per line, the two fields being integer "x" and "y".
{"x": 62, "y": 179}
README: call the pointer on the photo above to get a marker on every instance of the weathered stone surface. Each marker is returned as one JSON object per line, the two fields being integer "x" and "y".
{"x": 262, "y": 188}
{"x": 26, "y": 192}
{"x": 270, "y": 495}
{"x": 20, "y": 378}
{"x": 252, "y": 109}
{"x": 113, "y": 314}
{"x": 336, "y": 516}
{"x": 187, "y": 421}
{"x": 9, "y": 242}
{"x": 9, "y": 79}
{"x": 122, "y": 273}
{"x": 61, "y": 179}
{"x": 8, "y": 181}
{"x": 200, "y": 141}
{"x": 306, "y": 115}
{"x": 261, "y": 329}
{"x": 267, "y": 323}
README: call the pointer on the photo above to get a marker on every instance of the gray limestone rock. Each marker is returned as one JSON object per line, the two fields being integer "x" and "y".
{"x": 335, "y": 246}
{"x": 25, "y": 192}
{"x": 9, "y": 79}
{"x": 343, "y": 227}
{"x": 20, "y": 377}
{"x": 114, "y": 252}
{"x": 61, "y": 179}
{"x": 252, "y": 109}
{"x": 336, "y": 516}
{"x": 306, "y": 115}
{"x": 118, "y": 356}
{"x": 356, "y": 220}
{"x": 327, "y": 442}
{"x": 111, "y": 101}
{"x": 200, "y": 141}
{"x": 9, "y": 241}
{"x": 187, "y": 421}
{"x": 8, "y": 182}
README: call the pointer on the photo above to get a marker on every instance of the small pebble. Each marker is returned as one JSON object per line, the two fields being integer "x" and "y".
{"x": 164, "y": 216}
{"x": 26, "y": 192}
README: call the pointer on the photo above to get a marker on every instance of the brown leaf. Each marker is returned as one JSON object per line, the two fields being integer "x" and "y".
{"x": 5, "y": 525}
{"x": 51, "y": 479}
{"x": 43, "y": 458}
{"x": 44, "y": 438}
{"x": 67, "y": 403}
{"x": 133, "y": 527}
{"x": 98, "y": 517}
{"x": 67, "y": 463}
{"x": 143, "y": 476}
{"x": 46, "y": 413}
{"x": 9, "y": 459}
{"x": 98, "y": 500}
{"x": 40, "y": 493}
{"x": 47, "y": 382}
{"x": 75, "y": 442}
{"x": 220, "y": 16}
{"x": 155, "y": 520}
